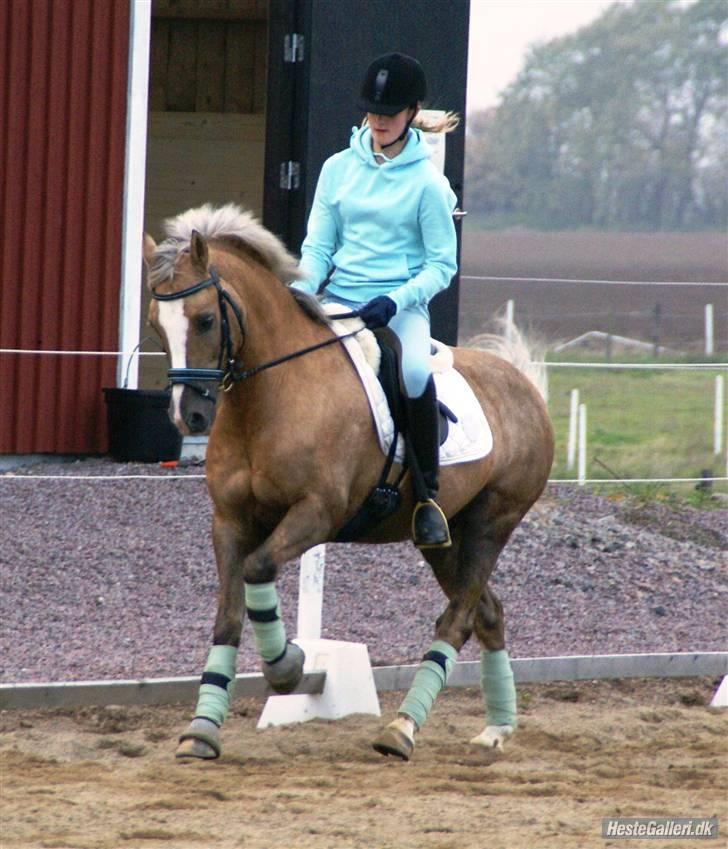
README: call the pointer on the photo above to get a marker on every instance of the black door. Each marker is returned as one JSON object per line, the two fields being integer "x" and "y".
{"x": 318, "y": 50}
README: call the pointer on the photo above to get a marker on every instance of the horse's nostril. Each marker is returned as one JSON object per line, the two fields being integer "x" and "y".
{"x": 196, "y": 422}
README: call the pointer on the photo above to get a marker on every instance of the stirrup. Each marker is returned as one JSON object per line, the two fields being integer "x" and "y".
{"x": 437, "y": 535}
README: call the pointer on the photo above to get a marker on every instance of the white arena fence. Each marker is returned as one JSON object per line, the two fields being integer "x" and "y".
{"x": 533, "y": 670}
{"x": 159, "y": 691}
{"x": 577, "y": 420}
{"x": 526, "y": 670}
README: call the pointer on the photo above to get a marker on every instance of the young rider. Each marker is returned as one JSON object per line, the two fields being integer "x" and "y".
{"x": 381, "y": 227}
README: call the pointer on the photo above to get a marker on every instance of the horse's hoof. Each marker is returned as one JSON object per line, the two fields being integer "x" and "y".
{"x": 199, "y": 749}
{"x": 201, "y": 740}
{"x": 493, "y": 739}
{"x": 285, "y": 674}
{"x": 396, "y": 739}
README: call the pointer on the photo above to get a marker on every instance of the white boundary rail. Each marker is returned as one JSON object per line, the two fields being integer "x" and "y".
{"x": 530, "y": 670}
{"x": 596, "y": 282}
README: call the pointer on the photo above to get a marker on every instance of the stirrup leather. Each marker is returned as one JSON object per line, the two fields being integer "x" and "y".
{"x": 445, "y": 540}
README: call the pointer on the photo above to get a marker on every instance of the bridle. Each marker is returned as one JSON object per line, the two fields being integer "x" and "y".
{"x": 225, "y": 370}
{"x": 226, "y": 375}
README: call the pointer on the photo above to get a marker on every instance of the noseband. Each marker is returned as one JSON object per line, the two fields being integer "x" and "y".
{"x": 224, "y": 376}
{"x": 227, "y": 377}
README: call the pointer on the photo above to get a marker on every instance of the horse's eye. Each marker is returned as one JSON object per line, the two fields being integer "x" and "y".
{"x": 204, "y": 323}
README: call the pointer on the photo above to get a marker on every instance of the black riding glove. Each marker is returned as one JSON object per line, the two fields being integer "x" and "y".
{"x": 377, "y": 312}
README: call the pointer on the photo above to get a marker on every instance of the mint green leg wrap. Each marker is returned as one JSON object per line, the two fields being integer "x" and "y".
{"x": 214, "y": 700}
{"x": 264, "y": 612}
{"x": 498, "y": 688}
{"x": 429, "y": 680}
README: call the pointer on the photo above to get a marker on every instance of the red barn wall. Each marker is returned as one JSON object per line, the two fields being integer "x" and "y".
{"x": 62, "y": 144}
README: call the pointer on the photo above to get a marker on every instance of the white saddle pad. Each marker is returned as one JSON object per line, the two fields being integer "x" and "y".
{"x": 468, "y": 439}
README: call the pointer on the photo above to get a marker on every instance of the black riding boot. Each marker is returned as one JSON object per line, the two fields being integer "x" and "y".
{"x": 429, "y": 525}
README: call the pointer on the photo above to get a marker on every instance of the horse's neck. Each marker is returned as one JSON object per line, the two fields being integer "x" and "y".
{"x": 274, "y": 323}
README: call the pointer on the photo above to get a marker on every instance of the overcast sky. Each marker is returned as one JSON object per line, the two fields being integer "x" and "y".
{"x": 501, "y": 31}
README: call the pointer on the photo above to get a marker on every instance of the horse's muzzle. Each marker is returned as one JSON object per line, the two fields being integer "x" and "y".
{"x": 192, "y": 407}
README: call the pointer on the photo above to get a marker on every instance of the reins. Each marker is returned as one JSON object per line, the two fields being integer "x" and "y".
{"x": 227, "y": 377}
{"x": 232, "y": 378}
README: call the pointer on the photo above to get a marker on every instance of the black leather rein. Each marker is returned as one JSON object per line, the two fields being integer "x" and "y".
{"x": 227, "y": 377}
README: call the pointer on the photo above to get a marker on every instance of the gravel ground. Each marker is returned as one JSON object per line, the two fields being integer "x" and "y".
{"x": 117, "y": 579}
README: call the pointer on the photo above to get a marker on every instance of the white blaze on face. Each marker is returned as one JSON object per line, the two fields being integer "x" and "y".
{"x": 175, "y": 324}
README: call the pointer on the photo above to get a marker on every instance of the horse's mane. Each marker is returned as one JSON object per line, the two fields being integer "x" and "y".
{"x": 227, "y": 223}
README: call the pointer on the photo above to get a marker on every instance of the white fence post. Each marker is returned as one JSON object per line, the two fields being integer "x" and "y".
{"x": 130, "y": 299}
{"x": 573, "y": 415}
{"x": 509, "y": 319}
{"x": 581, "y": 471}
{"x": 719, "y": 413}
{"x": 311, "y": 593}
{"x": 709, "y": 345}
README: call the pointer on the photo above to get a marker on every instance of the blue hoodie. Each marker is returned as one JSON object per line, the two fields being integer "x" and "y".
{"x": 386, "y": 229}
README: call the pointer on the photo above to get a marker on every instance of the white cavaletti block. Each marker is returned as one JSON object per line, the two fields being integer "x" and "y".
{"x": 349, "y": 686}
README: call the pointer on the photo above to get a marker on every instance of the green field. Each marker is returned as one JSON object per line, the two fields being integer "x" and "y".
{"x": 640, "y": 424}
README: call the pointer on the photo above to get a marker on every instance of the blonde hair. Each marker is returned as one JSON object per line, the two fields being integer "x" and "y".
{"x": 435, "y": 121}
{"x": 431, "y": 121}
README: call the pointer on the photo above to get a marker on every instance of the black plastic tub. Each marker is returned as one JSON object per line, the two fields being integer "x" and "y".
{"x": 139, "y": 428}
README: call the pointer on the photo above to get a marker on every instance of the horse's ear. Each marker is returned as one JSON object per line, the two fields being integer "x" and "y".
{"x": 148, "y": 248}
{"x": 198, "y": 251}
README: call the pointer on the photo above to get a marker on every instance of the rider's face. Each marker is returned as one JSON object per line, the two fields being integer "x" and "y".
{"x": 386, "y": 128}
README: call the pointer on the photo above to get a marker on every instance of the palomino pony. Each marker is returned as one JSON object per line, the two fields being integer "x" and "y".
{"x": 292, "y": 454}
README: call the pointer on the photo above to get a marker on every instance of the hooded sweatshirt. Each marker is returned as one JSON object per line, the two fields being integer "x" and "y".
{"x": 385, "y": 229}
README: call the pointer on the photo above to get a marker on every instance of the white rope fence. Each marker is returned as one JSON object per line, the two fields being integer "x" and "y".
{"x": 594, "y": 282}
{"x": 576, "y": 445}
{"x": 83, "y": 353}
{"x": 643, "y": 366}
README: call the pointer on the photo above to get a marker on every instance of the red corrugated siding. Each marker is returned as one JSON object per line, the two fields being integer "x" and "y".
{"x": 62, "y": 133}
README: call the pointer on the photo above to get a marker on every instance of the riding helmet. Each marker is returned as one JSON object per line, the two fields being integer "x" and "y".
{"x": 392, "y": 83}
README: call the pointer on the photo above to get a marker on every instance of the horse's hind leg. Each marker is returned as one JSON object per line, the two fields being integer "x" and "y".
{"x": 496, "y": 676}
{"x": 479, "y": 535}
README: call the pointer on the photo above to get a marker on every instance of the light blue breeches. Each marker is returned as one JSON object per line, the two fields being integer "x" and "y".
{"x": 412, "y": 328}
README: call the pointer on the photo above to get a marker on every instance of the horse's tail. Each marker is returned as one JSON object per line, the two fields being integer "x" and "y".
{"x": 511, "y": 344}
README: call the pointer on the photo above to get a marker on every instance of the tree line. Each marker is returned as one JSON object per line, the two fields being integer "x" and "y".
{"x": 623, "y": 124}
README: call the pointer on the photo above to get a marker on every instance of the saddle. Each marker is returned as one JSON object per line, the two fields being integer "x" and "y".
{"x": 391, "y": 380}
{"x": 385, "y": 498}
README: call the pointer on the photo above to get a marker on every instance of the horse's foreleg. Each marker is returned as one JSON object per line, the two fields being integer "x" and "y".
{"x": 496, "y": 676}
{"x": 302, "y": 527}
{"x": 202, "y": 737}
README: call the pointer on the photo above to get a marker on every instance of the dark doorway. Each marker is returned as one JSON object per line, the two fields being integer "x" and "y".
{"x": 318, "y": 50}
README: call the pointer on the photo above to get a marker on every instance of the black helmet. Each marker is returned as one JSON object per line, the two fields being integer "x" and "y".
{"x": 392, "y": 83}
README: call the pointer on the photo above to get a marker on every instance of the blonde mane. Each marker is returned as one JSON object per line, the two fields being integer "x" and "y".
{"x": 227, "y": 223}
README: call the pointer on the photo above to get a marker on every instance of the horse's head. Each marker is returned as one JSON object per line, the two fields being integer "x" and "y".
{"x": 200, "y": 324}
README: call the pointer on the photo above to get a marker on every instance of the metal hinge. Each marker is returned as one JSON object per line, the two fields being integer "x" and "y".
{"x": 293, "y": 47}
{"x": 290, "y": 175}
